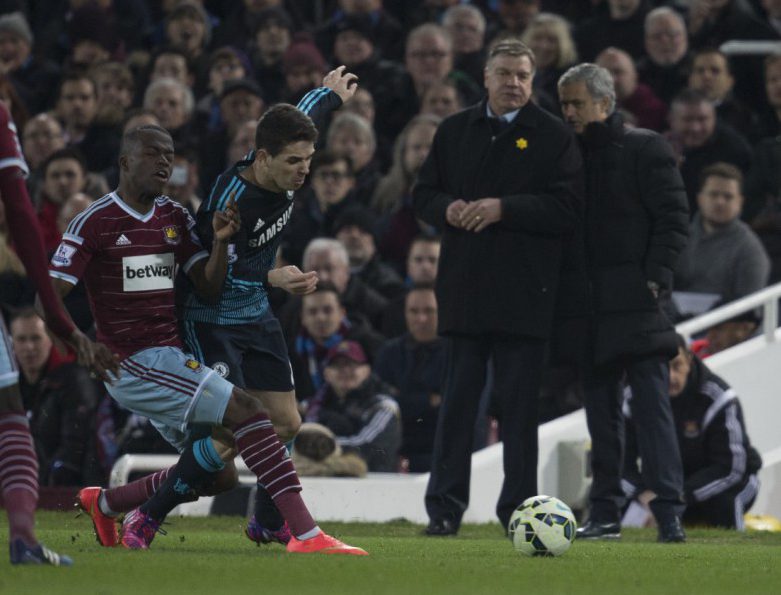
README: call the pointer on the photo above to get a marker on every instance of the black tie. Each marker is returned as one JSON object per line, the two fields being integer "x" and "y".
{"x": 498, "y": 125}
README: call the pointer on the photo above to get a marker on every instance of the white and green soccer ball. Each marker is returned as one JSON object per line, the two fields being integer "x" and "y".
{"x": 542, "y": 526}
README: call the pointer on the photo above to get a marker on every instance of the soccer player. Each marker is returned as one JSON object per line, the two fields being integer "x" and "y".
{"x": 126, "y": 247}
{"x": 238, "y": 336}
{"x": 18, "y": 463}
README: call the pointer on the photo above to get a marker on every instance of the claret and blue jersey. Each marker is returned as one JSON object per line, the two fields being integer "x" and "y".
{"x": 252, "y": 251}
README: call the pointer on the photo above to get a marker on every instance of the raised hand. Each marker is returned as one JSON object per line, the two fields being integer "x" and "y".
{"x": 292, "y": 280}
{"x": 341, "y": 82}
{"x": 226, "y": 223}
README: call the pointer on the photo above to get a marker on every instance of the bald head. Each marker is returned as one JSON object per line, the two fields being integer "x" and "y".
{"x": 621, "y": 68}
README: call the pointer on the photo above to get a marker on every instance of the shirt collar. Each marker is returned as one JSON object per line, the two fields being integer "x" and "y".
{"x": 508, "y": 117}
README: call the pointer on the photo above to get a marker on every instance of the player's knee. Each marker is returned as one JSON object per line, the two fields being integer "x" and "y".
{"x": 224, "y": 481}
{"x": 287, "y": 428}
{"x": 241, "y": 407}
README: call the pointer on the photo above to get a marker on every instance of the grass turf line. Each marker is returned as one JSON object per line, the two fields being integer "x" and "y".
{"x": 211, "y": 555}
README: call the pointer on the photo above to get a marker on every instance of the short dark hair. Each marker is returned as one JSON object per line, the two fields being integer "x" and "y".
{"x": 169, "y": 49}
{"x": 66, "y": 153}
{"x": 327, "y": 157}
{"x": 707, "y": 51}
{"x": 133, "y": 136}
{"x": 690, "y": 97}
{"x": 327, "y": 287}
{"x": 423, "y": 238}
{"x": 77, "y": 74}
{"x": 682, "y": 344}
{"x": 282, "y": 125}
{"x": 721, "y": 169}
{"x": 23, "y": 313}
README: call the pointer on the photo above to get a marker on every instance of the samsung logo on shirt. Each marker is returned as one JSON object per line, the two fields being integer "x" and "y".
{"x": 149, "y": 272}
{"x": 272, "y": 230}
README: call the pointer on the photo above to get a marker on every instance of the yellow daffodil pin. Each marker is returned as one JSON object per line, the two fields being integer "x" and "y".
{"x": 522, "y": 144}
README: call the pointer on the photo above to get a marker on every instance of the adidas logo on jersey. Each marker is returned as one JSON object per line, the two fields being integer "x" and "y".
{"x": 258, "y": 225}
{"x": 122, "y": 241}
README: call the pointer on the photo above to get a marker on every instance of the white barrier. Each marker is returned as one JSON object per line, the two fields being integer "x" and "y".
{"x": 751, "y": 368}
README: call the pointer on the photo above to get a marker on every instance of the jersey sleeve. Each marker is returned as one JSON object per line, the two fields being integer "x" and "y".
{"x": 318, "y": 104}
{"x": 10, "y": 149}
{"x": 190, "y": 249}
{"x": 76, "y": 250}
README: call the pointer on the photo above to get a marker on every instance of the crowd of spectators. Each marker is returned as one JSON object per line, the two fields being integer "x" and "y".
{"x": 77, "y": 73}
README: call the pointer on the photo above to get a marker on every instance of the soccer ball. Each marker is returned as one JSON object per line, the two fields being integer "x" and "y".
{"x": 542, "y": 526}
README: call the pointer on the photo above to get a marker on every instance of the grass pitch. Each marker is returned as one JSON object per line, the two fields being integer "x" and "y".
{"x": 211, "y": 556}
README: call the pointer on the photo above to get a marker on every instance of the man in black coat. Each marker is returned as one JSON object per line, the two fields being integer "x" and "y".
{"x": 503, "y": 181}
{"x": 636, "y": 225}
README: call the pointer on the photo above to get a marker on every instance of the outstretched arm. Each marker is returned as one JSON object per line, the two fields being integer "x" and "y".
{"x": 338, "y": 87}
{"x": 208, "y": 275}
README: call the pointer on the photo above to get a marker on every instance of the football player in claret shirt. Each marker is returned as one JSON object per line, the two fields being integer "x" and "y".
{"x": 126, "y": 247}
{"x": 238, "y": 336}
{"x": 18, "y": 463}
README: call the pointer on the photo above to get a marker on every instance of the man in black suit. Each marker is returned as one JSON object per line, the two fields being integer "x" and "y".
{"x": 635, "y": 227}
{"x": 503, "y": 181}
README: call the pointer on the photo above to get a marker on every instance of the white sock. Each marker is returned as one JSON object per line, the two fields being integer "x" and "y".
{"x": 103, "y": 505}
{"x": 314, "y": 532}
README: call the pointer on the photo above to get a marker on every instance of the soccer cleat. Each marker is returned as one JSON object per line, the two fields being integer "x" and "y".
{"x": 138, "y": 530}
{"x": 105, "y": 526}
{"x": 259, "y": 534}
{"x": 323, "y": 544}
{"x": 21, "y": 553}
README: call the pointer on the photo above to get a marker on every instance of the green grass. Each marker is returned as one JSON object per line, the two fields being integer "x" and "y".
{"x": 210, "y": 555}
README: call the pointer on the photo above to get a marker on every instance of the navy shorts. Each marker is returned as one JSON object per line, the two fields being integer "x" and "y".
{"x": 252, "y": 356}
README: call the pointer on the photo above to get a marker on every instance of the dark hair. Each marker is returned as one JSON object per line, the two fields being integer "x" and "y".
{"x": 169, "y": 49}
{"x": 721, "y": 170}
{"x": 282, "y": 125}
{"x": 690, "y": 97}
{"x": 327, "y": 287}
{"x": 116, "y": 70}
{"x": 23, "y": 313}
{"x": 682, "y": 343}
{"x": 133, "y": 136}
{"x": 326, "y": 157}
{"x": 422, "y": 286}
{"x": 77, "y": 74}
{"x": 423, "y": 238}
{"x": 711, "y": 50}
{"x": 66, "y": 153}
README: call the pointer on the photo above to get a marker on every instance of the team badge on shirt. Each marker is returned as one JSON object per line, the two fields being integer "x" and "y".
{"x": 195, "y": 366}
{"x": 691, "y": 429}
{"x": 221, "y": 368}
{"x": 171, "y": 234}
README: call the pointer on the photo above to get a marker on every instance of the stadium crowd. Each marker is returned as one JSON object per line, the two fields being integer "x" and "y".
{"x": 366, "y": 358}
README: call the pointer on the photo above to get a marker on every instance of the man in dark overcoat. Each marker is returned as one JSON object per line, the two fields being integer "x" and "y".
{"x": 503, "y": 181}
{"x": 636, "y": 224}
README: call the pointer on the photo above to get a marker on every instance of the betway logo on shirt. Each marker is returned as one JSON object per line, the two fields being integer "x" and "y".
{"x": 272, "y": 230}
{"x": 149, "y": 272}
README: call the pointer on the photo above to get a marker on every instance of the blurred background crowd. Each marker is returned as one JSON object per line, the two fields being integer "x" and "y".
{"x": 76, "y": 73}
